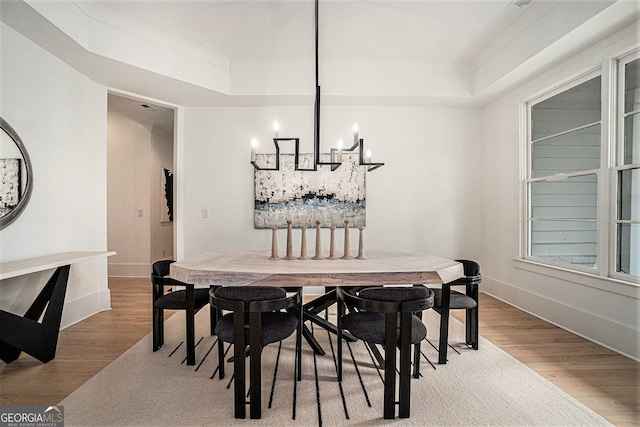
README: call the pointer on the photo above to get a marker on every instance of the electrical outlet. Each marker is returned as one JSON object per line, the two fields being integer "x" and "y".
{"x": 205, "y": 213}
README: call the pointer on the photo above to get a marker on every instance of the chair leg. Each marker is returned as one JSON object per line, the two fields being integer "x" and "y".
{"x": 444, "y": 325}
{"x": 416, "y": 360}
{"x": 404, "y": 408}
{"x": 416, "y": 351}
{"x": 213, "y": 319}
{"x": 220, "y": 358}
{"x": 190, "y": 326}
{"x": 472, "y": 327}
{"x": 472, "y": 318}
{"x": 239, "y": 385}
{"x": 299, "y": 337}
{"x": 339, "y": 338}
{"x": 444, "y": 336}
{"x": 158, "y": 328}
{"x": 390, "y": 366}
{"x": 157, "y": 319}
{"x": 255, "y": 349}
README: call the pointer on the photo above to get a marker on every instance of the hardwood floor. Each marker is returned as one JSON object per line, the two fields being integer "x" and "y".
{"x": 83, "y": 349}
{"x": 602, "y": 380}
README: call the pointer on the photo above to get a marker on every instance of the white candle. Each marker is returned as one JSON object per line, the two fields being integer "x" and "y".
{"x": 254, "y": 144}
{"x": 276, "y": 129}
{"x": 340, "y": 145}
{"x": 356, "y": 128}
{"x": 368, "y": 159}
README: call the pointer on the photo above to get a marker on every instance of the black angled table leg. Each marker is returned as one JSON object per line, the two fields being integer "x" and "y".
{"x": 18, "y": 334}
{"x": 310, "y": 312}
{"x": 306, "y": 333}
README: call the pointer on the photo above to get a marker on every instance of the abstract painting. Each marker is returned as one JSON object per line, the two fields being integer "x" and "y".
{"x": 166, "y": 198}
{"x": 10, "y": 190}
{"x": 305, "y": 197}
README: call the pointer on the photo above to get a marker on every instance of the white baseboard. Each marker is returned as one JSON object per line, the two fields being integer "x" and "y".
{"x": 602, "y": 331}
{"x": 129, "y": 270}
{"x": 85, "y": 307}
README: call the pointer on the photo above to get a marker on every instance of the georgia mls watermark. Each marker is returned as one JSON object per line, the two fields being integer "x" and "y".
{"x": 31, "y": 416}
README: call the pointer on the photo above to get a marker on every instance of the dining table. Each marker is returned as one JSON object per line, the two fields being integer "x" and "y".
{"x": 241, "y": 268}
{"x": 246, "y": 268}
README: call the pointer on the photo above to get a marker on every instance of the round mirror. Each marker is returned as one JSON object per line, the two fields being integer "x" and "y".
{"x": 16, "y": 175}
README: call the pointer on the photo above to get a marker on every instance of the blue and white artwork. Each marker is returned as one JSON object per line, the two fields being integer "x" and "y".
{"x": 305, "y": 197}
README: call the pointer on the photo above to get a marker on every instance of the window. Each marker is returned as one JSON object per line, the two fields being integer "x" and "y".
{"x": 628, "y": 171}
{"x": 564, "y": 166}
{"x": 573, "y": 185}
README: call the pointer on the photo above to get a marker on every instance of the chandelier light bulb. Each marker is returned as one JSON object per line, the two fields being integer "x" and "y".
{"x": 254, "y": 144}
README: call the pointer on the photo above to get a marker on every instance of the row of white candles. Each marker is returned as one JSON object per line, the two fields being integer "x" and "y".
{"x": 276, "y": 129}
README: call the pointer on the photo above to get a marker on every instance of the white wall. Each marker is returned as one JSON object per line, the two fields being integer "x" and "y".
{"x": 60, "y": 116}
{"x": 607, "y": 312}
{"x": 426, "y": 198}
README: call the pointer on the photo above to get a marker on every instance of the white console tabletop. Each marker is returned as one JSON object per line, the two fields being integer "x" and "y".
{"x": 47, "y": 262}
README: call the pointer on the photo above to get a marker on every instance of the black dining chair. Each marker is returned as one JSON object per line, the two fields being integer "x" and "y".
{"x": 385, "y": 315}
{"x": 258, "y": 317}
{"x": 189, "y": 299}
{"x": 447, "y": 299}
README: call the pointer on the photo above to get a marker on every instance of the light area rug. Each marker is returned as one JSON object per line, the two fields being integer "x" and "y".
{"x": 483, "y": 387}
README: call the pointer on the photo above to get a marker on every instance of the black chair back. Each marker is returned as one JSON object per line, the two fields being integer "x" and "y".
{"x": 161, "y": 268}
{"x": 385, "y": 315}
{"x": 257, "y": 319}
{"x": 189, "y": 299}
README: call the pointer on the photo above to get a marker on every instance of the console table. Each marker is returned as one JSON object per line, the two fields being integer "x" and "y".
{"x": 25, "y": 333}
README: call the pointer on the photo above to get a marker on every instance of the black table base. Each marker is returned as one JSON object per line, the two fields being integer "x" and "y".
{"x": 38, "y": 339}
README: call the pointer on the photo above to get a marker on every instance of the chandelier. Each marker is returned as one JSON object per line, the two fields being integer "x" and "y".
{"x": 335, "y": 153}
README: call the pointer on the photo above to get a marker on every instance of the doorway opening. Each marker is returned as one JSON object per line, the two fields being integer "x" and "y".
{"x": 140, "y": 190}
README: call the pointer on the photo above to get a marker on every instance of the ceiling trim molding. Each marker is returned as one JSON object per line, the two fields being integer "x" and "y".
{"x": 123, "y": 53}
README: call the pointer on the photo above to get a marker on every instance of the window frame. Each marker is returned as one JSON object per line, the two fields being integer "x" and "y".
{"x": 617, "y": 164}
{"x": 611, "y": 72}
{"x": 528, "y": 178}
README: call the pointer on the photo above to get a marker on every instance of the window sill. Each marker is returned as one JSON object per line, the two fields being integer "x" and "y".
{"x": 607, "y": 284}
